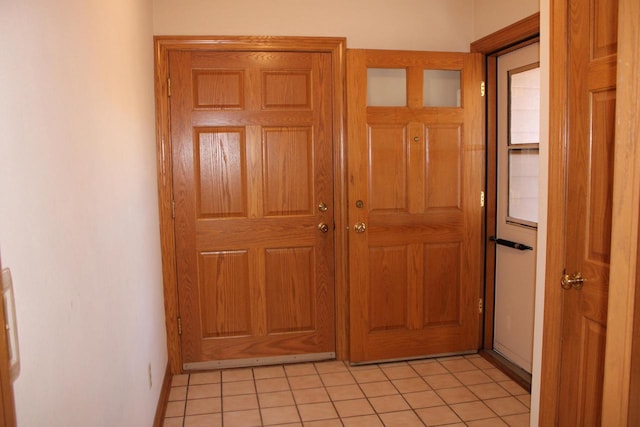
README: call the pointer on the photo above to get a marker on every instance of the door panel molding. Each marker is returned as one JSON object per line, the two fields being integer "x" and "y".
{"x": 163, "y": 46}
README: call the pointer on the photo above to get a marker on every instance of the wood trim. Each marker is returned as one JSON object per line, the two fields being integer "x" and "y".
{"x": 634, "y": 375}
{"x": 515, "y": 36}
{"x": 491, "y": 201}
{"x": 7, "y": 401}
{"x": 510, "y": 369}
{"x": 625, "y": 231}
{"x": 164, "y": 44}
{"x": 163, "y": 399}
{"x": 507, "y": 37}
{"x": 556, "y": 216}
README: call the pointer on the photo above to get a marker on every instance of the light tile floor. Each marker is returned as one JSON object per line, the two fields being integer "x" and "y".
{"x": 451, "y": 391}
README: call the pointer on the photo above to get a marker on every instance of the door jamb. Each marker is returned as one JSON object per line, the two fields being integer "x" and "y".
{"x": 162, "y": 46}
{"x": 622, "y": 354}
{"x": 512, "y": 37}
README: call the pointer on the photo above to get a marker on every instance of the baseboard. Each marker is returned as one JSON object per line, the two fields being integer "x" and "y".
{"x": 512, "y": 370}
{"x": 164, "y": 396}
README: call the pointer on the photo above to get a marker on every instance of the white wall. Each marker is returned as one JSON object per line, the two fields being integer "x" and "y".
{"x": 490, "y": 16}
{"x": 78, "y": 209}
{"x": 372, "y": 24}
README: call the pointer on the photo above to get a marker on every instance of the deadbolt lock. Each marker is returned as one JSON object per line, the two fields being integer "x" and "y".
{"x": 360, "y": 227}
{"x": 323, "y": 227}
{"x": 322, "y": 207}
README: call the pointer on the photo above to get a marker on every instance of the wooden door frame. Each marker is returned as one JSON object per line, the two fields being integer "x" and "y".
{"x": 515, "y": 36}
{"x": 7, "y": 400}
{"x": 621, "y": 390}
{"x": 165, "y": 44}
{"x": 621, "y": 340}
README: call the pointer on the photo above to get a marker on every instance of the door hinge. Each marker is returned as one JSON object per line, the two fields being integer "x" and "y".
{"x": 179, "y": 326}
{"x": 173, "y": 209}
{"x": 482, "y": 90}
{"x": 169, "y": 86}
{"x": 480, "y": 306}
{"x": 482, "y": 199}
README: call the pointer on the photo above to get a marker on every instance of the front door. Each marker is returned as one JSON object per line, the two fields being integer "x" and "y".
{"x": 415, "y": 176}
{"x": 591, "y": 124}
{"x": 251, "y": 136}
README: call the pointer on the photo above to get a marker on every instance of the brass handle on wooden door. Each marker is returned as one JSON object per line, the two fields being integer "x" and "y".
{"x": 575, "y": 281}
{"x": 323, "y": 227}
{"x": 360, "y": 227}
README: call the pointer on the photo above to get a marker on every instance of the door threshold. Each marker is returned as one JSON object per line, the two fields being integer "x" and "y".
{"x": 513, "y": 371}
{"x": 257, "y": 361}
{"x": 405, "y": 359}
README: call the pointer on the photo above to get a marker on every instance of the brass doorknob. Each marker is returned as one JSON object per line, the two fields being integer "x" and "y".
{"x": 322, "y": 207}
{"x": 360, "y": 227}
{"x": 575, "y": 281}
{"x": 323, "y": 227}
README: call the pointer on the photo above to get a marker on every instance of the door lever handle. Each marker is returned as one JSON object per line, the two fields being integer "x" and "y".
{"x": 509, "y": 243}
{"x": 575, "y": 281}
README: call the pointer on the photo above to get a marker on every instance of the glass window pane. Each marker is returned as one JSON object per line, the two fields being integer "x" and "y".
{"x": 523, "y": 186}
{"x": 524, "y": 106}
{"x": 386, "y": 87}
{"x": 441, "y": 88}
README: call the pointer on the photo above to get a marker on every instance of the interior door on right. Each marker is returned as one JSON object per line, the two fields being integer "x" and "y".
{"x": 592, "y": 58}
{"x": 517, "y": 203}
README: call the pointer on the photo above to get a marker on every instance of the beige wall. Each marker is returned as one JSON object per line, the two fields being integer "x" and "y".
{"x": 78, "y": 210}
{"x": 491, "y": 15}
{"x": 373, "y": 24}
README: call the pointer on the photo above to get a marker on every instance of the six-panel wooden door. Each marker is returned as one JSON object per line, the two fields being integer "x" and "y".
{"x": 251, "y": 136}
{"x": 415, "y": 181}
{"x": 592, "y": 29}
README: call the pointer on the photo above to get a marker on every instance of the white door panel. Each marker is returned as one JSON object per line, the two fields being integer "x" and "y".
{"x": 517, "y": 195}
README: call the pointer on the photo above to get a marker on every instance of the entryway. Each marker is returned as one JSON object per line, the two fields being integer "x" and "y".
{"x": 254, "y": 208}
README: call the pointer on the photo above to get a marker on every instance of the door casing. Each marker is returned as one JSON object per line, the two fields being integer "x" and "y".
{"x": 518, "y": 35}
{"x": 163, "y": 45}
{"x": 7, "y": 400}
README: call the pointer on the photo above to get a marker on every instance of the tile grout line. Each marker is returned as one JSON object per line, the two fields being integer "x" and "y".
{"x": 388, "y": 376}
{"x": 403, "y": 394}
{"x": 466, "y": 388}
{"x": 368, "y": 398}
{"x": 324, "y": 385}
{"x": 255, "y": 387}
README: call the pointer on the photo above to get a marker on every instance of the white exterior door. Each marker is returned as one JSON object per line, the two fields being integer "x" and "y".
{"x": 517, "y": 203}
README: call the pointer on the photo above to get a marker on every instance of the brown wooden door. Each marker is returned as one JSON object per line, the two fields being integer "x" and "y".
{"x": 592, "y": 99}
{"x": 415, "y": 181}
{"x": 252, "y": 162}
